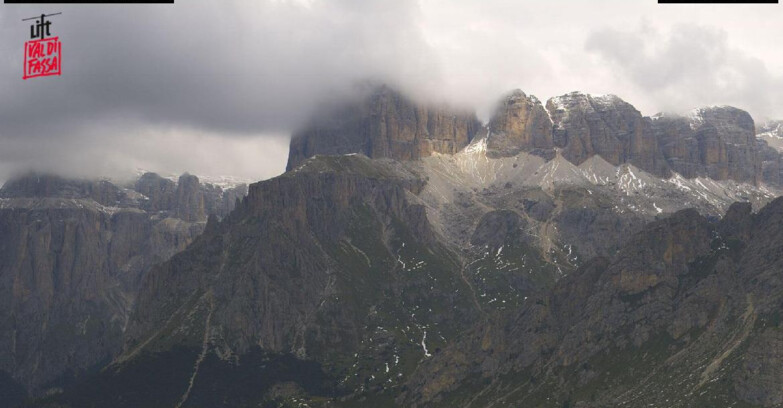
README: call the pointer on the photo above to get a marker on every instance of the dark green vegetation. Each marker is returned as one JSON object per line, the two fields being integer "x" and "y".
{"x": 11, "y": 392}
{"x": 160, "y": 379}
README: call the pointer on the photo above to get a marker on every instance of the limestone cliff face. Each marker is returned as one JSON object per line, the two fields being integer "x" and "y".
{"x": 580, "y": 125}
{"x": 72, "y": 255}
{"x": 769, "y": 143}
{"x": 520, "y": 123}
{"x": 221, "y": 201}
{"x": 607, "y": 126}
{"x": 68, "y": 275}
{"x": 717, "y": 142}
{"x": 190, "y": 199}
{"x": 770, "y": 162}
{"x": 160, "y": 192}
{"x": 384, "y": 124}
{"x": 187, "y": 199}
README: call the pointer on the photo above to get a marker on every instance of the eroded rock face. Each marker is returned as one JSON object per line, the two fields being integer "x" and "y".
{"x": 221, "y": 201}
{"x": 520, "y": 123}
{"x": 190, "y": 199}
{"x": 68, "y": 275}
{"x": 384, "y": 124}
{"x": 41, "y": 185}
{"x": 607, "y": 126}
{"x": 72, "y": 255}
{"x": 770, "y": 162}
{"x": 160, "y": 192}
{"x": 716, "y": 142}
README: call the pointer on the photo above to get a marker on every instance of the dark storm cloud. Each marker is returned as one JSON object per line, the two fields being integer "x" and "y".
{"x": 207, "y": 64}
{"x": 237, "y": 69}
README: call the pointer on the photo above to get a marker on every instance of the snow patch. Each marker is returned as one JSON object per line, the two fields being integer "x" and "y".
{"x": 424, "y": 345}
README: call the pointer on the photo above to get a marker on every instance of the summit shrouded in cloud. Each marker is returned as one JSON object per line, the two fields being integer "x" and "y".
{"x": 217, "y": 87}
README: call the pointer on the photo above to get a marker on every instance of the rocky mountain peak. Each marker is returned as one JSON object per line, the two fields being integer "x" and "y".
{"x": 520, "y": 123}
{"x": 190, "y": 199}
{"x": 46, "y": 185}
{"x": 607, "y": 126}
{"x": 158, "y": 190}
{"x": 716, "y": 142}
{"x": 384, "y": 123}
{"x": 723, "y": 115}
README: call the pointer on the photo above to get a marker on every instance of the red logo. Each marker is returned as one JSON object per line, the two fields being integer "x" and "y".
{"x": 42, "y": 58}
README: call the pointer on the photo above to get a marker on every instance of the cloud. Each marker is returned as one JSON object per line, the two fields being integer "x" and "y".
{"x": 219, "y": 65}
{"x": 99, "y": 150}
{"x": 217, "y": 85}
{"x": 226, "y": 68}
{"x": 682, "y": 68}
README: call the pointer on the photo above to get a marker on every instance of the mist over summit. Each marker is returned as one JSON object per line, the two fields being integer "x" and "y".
{"x": 718, "y": 142}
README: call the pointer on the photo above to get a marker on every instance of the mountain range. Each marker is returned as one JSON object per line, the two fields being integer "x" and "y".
{"x": 567, "y": 253}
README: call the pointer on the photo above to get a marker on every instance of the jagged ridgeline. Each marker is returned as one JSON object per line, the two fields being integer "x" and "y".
{"x": 572, "y": 253}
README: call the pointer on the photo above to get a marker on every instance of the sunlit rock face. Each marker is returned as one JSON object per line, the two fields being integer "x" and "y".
{"x": 520, "y": 123}
{"x": 585, "y": 126}
{"x": 716, "y": 142}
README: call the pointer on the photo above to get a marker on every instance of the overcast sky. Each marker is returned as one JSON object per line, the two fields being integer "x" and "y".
{"x": 215, "y": 87}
